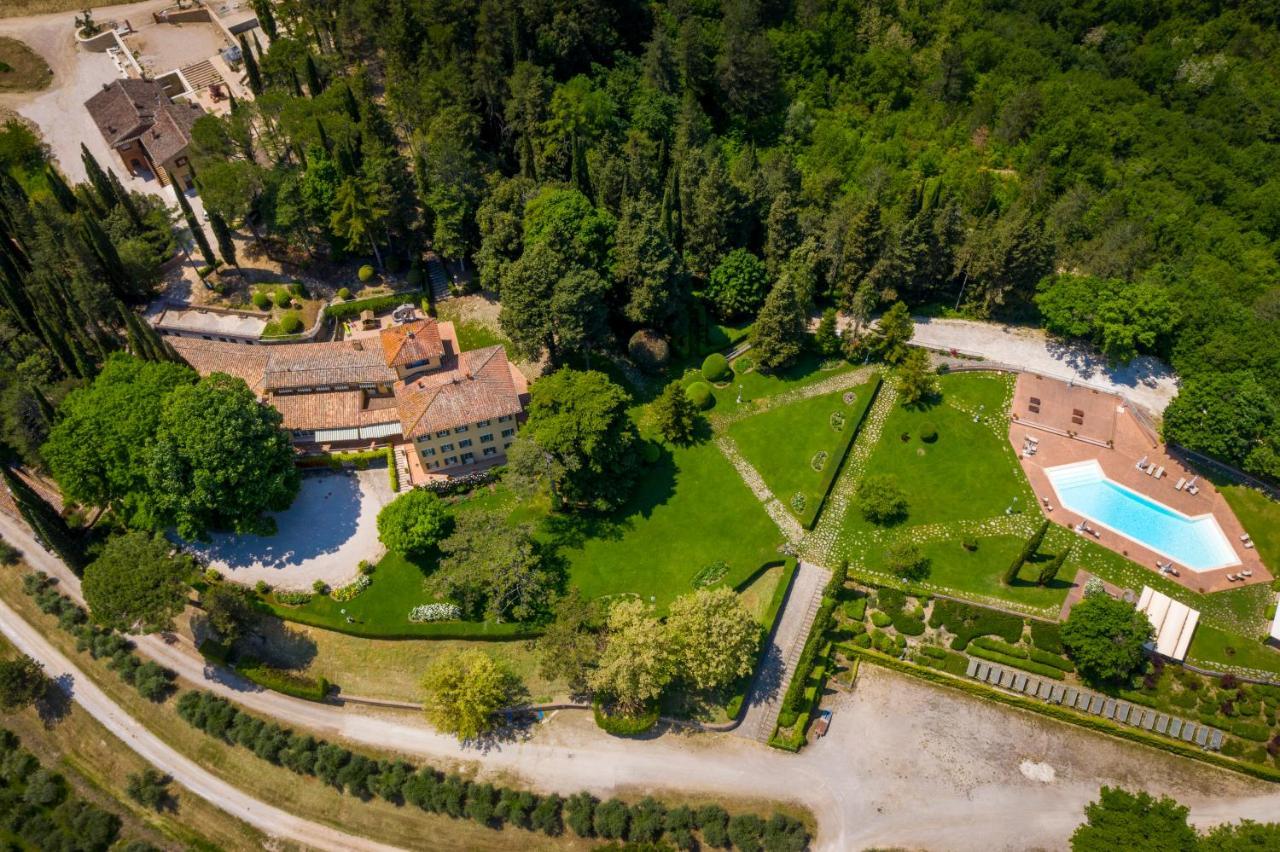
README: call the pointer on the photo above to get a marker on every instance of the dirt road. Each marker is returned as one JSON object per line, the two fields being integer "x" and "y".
{"x": 906, "y": 763}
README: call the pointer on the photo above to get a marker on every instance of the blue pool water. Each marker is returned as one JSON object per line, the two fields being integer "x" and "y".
{"x": 1195, "y": 543}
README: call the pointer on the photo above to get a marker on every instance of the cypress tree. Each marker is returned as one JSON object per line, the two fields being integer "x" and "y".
{"x": 221, "y": 233}
{"x": 112, "y": 268}
{"x": 126, "y": 201}
{"x": 1050, "y": 570}
{"x": 297, "y": 86}
{"x": 88, "y": 200}
{"x": 1011, "y": 573}
{"x": 349, "y": 102}
{"x": 197, "y": 233}
{"x": 324, "y": 138}
{"x": 45, "y": 522}
{"x": 251, "y": 67}
{"x": 42, "y": 402}
{"x": 61, "y": 192}
{"x": 315, "y": 85}
{"x": 262, "y": 8}
{"x": 97, "y": 177}
{"x": 1033, "y": 543}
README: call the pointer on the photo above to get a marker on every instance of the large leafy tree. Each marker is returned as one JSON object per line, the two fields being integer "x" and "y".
{"x": 22, "y": 683}
{"x": 571, "y": 643}
{"x": 552, "y": 308}
{"x": 97, "y": 450}
{"x": 889, "y": 339}
{"x": 1134, "y": 821}
{"x": 675, "y": 415}
{"x": 579, "y": 421}
{"x": 493, "y": 568}
{"x": 1105, "y": 638}
{"x": 414, "y": 523}
{"x": 637, "y": 663}
{"x": 218, "y": 460}
{"x": 1228, "y": 415}
{"x": 917, "y": 381}
{"x": 137, "y": 584}
{"x": 737, "y": 284}
{"x": 714, "y": 636}
{"x": 464, "y": 691}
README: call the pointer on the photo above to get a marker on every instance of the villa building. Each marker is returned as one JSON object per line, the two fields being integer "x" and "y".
{"x": 149, "y": 131}
{"x": 408, "y": 384}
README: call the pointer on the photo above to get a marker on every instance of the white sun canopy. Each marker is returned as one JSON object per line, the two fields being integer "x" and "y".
{"x": 1174, "y": 622}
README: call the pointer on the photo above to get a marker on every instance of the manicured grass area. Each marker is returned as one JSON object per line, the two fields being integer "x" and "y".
{"x": 1213, "y": 645}
{"x": 784, "y": 442}
{"x": 1260, "y": 516}
{"x": 968, "y": 473}
{"x": 21, "y": 69}
{"x": 759, "y": 593}
{"x": 990, "y": 391}
{"x": 755, "y": 385}
{"x": 981, "y": 571}
{"x": 690, "y": 510}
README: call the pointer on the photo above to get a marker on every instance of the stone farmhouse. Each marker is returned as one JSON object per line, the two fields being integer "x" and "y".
{"x": 409, "y": 386}
{"x": 149, "y": 131}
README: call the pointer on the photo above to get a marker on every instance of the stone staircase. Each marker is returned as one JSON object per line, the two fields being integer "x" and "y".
{"x": 402, "y": 469}
{"x": 786, "y": 643}
{"x": 439, "y": 280}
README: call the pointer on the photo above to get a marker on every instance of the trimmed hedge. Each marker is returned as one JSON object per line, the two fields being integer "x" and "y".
{"x": 1017, "y": 662}
{"x": 856, "y": 609}
{"x": 999, "y": 647}
{"x": 1051, "y": 659}
{"x": 967, "y": 621}
{"x": 282, "y": 681}
{"x": 479, "y": 631}
{"x": 699, "y": 393}
{"x": 1047, "y": 636}
{"x": 715, "y": 368}
{"x": 1063, "y": 714}
{"x": 625, "y": 726}
{"x": 350, "y": 310}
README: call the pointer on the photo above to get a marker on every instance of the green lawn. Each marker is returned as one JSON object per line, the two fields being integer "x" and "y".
{"x": 968, "y": 473}
{"x": 689, "y": 511}
{"x": 991, "y": 391}
{"x": 754, "y": 385}
{"x": 1210, "y": 644}
{"x": 1260, "y": 517}
{"x": 980, "y": 572}
{"x": 782, "y": 444}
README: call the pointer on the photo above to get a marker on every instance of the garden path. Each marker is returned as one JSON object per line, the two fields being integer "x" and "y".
{"x": 843, "y": 381}
{"x": 790, "y": 632}
{"x": 772, "y": 505}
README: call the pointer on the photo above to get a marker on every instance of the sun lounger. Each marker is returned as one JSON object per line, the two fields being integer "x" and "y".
{"x": 1162, "y": 723}
{"x": 1189, "y": 731}
{"x": 1202, "y": 737}
{"x": 1215, "y": 740}
{"x": 1160, "y": 473}
{"x": 1193, "y": 489}
{"x": 1248, "y": 573}
{"x": 1231, "y": 578}
{"x": 1181, "y": 482}
{"x": 1248, "y": 545}
{"x": 1175, "y": 728}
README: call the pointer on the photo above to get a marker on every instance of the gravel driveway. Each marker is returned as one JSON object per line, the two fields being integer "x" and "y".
{"x": 331, "y": 526}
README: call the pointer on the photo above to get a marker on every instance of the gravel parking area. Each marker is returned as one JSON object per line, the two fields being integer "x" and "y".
{"x": 323, "y": 536}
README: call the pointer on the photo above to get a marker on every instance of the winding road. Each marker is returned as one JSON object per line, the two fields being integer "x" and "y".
{"x": 905, "y": 764}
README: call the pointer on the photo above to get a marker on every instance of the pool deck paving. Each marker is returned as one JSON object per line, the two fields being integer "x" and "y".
{"x": 1130, "y": 443}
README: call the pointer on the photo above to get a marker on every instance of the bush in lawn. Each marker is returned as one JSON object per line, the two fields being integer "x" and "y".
{"x": 579, "y": 813}
{"x": 905, "y": 559}
{"x": 715, "y": 368}
{"x": 928, "y": 433}
{"x": 1046, "y": 636}
{"x": 649, "y": 350}
{"x": 856, "y": 609}
{"x": 1105, "y": 637}
{"x": 647, "y": 819}
{"x": 679, "y": 825}
{"x": 414, "y": 523}
{"x": 296, "y": 289}
{"x": 261, "y": 301}
{"x": 283, "y": 298}
{"x": 700, "y": 394}
{"x": 966, "y": 621}
{"x": 546, "y": 816}
{"x": 611, "y": 819}
{"x": 148, "y": 788}
{"x": 365, "y": 273}
{"x": 969, "y": 543}
{"x": 880, "y": 499}
{"x": 881, "y": 619}
{"x": 291, "y": 323}
{"x": 344, "y": 293}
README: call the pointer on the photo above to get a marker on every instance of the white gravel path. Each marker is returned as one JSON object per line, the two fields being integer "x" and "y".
{"x": 331, "y": 526}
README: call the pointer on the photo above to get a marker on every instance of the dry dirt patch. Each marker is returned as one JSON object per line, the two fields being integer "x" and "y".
{"x": 21, "y": 69}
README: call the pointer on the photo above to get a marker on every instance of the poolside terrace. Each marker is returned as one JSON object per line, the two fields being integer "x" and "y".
{"x": 1110, "y": 420}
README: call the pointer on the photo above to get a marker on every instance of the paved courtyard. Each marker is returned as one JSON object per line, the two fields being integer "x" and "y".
{"x": 323, "y": 535}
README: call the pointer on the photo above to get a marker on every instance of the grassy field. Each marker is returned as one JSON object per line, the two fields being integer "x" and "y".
{"x": 783, "y": 442}
{"x": 757, "y": 596}
{"x": 689, "y": 511}
{"x": 21, "y": 70}
{"x": 968, "y": 473}
{"x": 755, "y": 385}
{"x": 1212, "y": 644}
{"x": 1260, "y": 516}
{"x": 98, "y": 766}
{"x": 981, "y": 572}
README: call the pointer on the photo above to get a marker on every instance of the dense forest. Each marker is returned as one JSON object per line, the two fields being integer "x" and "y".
{"x": 1110, "y": 170}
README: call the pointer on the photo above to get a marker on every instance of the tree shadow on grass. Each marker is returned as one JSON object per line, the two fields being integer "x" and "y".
{"x": 55, "y": 704}
{"x": 274, "y": 643}
{"x": 655, "y": 487}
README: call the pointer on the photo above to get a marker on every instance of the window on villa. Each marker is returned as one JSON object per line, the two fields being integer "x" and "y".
{"x": 428, "y": 451}
{"x": 507, "y": 433}
{"x": 490, "y": 451}
{"x": 465, "y": 442}
{"x": 461, "y": 428}
{"x": 444, "y": 448}
{"x": 486, "y": 439}
{"x": 504, "y": 418}
{"x": 468, "y": 458}
{"x": 505, "y": 446}
{"x": 484, "y": 423}
{"x": 442, "y": 433}
{"x": 452, "y": 460}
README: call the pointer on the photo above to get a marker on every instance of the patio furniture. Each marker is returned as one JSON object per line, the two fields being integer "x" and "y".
{"x": 1142, "y": 463}
{"x": 1181, "y": 482}
{"x": 1175, "y": 728}
{"x": 1248, "y": 572}
{"x": 1231, "y": 578}
{"x": 1159, "y": 472}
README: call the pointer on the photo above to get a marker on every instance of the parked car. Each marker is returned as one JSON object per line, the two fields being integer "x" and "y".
{"x": 822, "y": 723}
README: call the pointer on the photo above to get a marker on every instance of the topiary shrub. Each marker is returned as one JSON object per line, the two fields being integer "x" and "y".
{"x": 344, "y": 294}
{"x": 928, "y": 433}
{"x": 650, "y": 452}
{"x": 283, "y": 299}
{"x": 365, "y": 273}
{"x": 261, "y": 301}
{"x": 701, "y": 395}
{"x": 291, "y": 323}
{"x": 649, "y": 350}
{"x": 715, "y": 368}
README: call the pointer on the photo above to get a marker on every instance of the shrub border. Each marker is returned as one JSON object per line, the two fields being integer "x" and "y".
{"x": 1062, "y": 714}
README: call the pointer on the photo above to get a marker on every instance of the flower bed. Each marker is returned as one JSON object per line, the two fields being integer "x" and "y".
{"x": 352, "y": 589}
{"x": 709, "y": 575}
{"x": 434, "y": 612}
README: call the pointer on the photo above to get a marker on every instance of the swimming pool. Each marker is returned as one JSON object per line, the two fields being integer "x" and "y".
{"x": 1197, "y": 543}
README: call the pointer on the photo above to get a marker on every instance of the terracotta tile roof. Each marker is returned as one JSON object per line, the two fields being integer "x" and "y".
{"x": 129, "y": 109}
{"x": 346, "y": 362}
{"x": 214, "y": 356}
{"x": 171, "y": 133}
{"x": 478, "y": 386}
{"x": 411, "y": 342}
{"x": 330, "y": 410}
